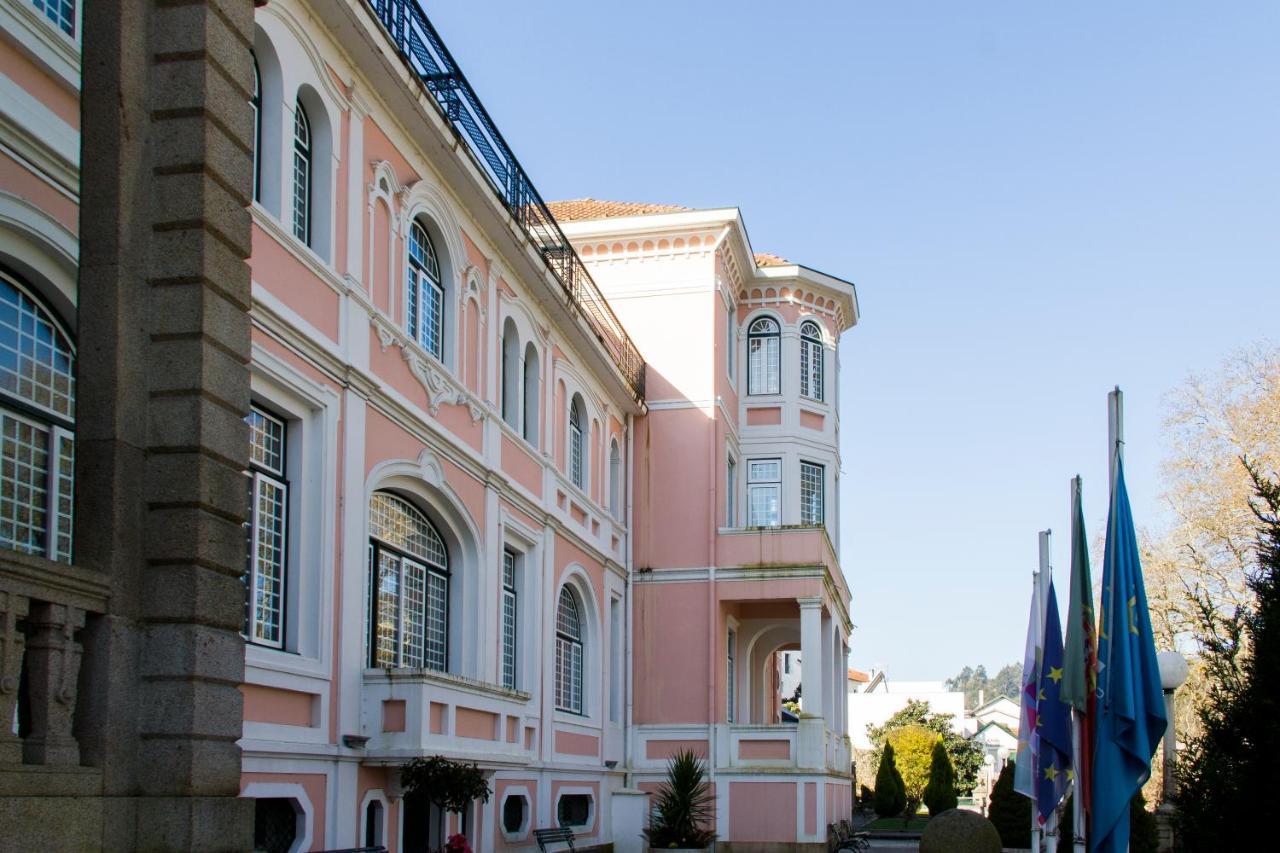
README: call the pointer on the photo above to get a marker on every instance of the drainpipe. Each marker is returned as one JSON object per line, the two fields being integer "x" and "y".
{"x": 627, "y": 722}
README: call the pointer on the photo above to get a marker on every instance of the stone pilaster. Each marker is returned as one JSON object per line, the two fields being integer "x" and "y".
{"x": 13, "y": 608}
{"x": 53, "y": 669}
{"x": 164, "y": 385}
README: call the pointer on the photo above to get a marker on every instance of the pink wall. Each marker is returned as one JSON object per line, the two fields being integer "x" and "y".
{"x": 520, "y": 466}
{"x": 276, "y": 269}
{"x": 671, "y": 653}
{"x": 661, "y": 750}
{"x": 574, "y": 743}
{"x": 275, "y": 705}
{"x": 30, "y": 78}
{"x": 762, "y": 750}
{"x": 481, "y": 725}
{"x": 673, "y": 465}
{"x": 500, "y": 787}
{"x": 762, "y": 811}
{"x": 587, "y": 831}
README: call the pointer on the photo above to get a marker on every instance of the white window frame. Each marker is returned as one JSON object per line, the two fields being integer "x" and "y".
{"x": 812, "y": 353}
{"x": 412, "y": 644}
{"x": 731, "y": 491}
{"x": 260, "y": 476}
{"x": 731, "y": 675}
{"x": 577, "y": 451}
{"x": 510, "y": 664}
{"x": 570, "y": 685}
{"x": 615, "y": 479}
{"x": 761, "y": 482}
{"x": 304, "y": 163}
{"x": 424, "y": 283}
{"x": 808, "y": 492}
{"x": 764, "y": 357}
{"x": 731, "y": 350}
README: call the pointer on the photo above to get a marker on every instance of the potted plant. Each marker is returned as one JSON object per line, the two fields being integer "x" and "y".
{"x": 683, "y": 807}
{"x": 452, "y": 786}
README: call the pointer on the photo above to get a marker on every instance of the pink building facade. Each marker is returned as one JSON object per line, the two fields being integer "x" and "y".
{"x": 496, "y": 511}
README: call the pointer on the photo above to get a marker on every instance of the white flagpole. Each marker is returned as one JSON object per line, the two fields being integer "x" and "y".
{"x": 1042, "y": 581}
{"x": 1077, "y": 747}
{"x": 1115, "y": 449}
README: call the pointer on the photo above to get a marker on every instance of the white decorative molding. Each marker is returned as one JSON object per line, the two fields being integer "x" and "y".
{"x": 441, "y": 388}
{"x": 432, "y": 470}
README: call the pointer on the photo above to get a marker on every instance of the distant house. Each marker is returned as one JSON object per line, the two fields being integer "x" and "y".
{"x": 874, "y": 698}
{"x": 1001, "y": 710}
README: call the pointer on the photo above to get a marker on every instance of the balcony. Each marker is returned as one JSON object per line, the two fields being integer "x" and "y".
{"x": 765, "y": 552}
{"x": 425, "y": 54}
{"x": 776, "y": 748}
{"x": 413, "y": 712}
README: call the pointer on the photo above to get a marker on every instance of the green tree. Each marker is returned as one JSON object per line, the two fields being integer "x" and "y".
{"x": 940, "y": 794}
{"x": 1227, "y": 776}
{"x": 1007, "y": 683}
{"x": 966, "y": 755}
{"x": 451, "y": 785}
{"x": 1010, "y": 812}
{"x": 912, "y": 751}
{"x": 891, "y": 796}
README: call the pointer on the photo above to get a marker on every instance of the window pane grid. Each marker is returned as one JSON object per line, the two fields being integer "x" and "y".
{"x": 65, "y": 505}
{"x": 266, "y": 441}
{"x": 268, "y": 519}
{"x": 508, "y": 620}
{"x": 61, "y": 12}
{"x": 811, "y": 493}
{"x": 37, "y": 365}
{"x": 396, "y": 522}
{"x": 575, "y": 447}
{"x": 412, "y": 623}
{"x": 811, "y": 361}
{"x": 764, "y": 357}
{"x": 24, "y": 478}
{"x": 387, "y": 642}
{"x": 301, "y": 175}
{"x": 764, "y": 493}
{"x": 568, "y": 676}
{"x": 426, "y": 296}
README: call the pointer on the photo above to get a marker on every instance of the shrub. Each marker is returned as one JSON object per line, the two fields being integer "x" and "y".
{"x": 684, "y": 806}
{"x": 912, "y": 752}
{"x": 865, "y": 796}
{"x": 1010, "y": 811}
{"x": 449, "y": 784}
{"x": 891, "y": 794}
{"x": 1144, "y": 835}
{"x": 940, "y": 793}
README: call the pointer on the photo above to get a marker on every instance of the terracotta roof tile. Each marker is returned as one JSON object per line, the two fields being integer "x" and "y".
{"x": 858, "y": 675}
{"x": 591, "y": 208}
{"x": 768, "y": 259}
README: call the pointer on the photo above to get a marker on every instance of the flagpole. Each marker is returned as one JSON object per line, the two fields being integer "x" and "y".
{"x": 1115, "y": 450}
{"x": 1077, "y": 747}
{"x": 1115, "y": 433}
{"x": 1041, "y": 576}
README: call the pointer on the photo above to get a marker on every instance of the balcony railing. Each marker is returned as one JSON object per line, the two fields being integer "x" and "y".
{"x": 422, "y": 49}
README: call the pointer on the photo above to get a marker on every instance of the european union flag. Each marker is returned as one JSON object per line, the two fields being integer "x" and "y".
{"x": 1053, "y": 721}
{"x": 1130, "y": 704}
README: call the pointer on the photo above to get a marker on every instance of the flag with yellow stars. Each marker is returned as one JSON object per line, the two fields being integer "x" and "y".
{"x": 1053, "y": 719}
{"x": 1130, "y": 718}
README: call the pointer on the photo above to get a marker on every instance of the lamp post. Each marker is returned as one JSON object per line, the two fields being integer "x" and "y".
{"x": 1173, "y": 671}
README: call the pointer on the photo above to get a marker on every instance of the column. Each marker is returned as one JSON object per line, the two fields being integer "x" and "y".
{"x": 811, "y": 671}
{"x": 163, "y": 385}
{"x": 53, "y": 670}
{"x": 811, "y": 734}
{"x": 13, "y": 609}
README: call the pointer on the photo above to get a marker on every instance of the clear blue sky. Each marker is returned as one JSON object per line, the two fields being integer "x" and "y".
{"x": 1037, "y": 201}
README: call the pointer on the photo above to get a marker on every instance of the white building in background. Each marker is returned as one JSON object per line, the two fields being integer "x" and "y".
{"x": 874, "y": 700}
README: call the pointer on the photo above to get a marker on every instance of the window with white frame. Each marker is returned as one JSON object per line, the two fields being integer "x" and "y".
{"x": 61, "y": 12}
{"x": 730, "y": 492}
{"x": 266, "y": 529}
{"x": 568, "y": 673}
{"x": 409, "y": 578}
{"x": 764, "y": 356}
{"x": 764, "y": 492}
{"x": 532, "y": 401}
{"x": 574, "y": 810}
{"x": 811, "y": 355}
{"x": 577, "y": 444}
{"x": 510, "y": 387}
{"x": 37, "y": 423}
{"x": 509, "y": 617}
{"x": 301, "y": 174}
{"x": 731, "y": 682}
{"x": 812, "y": 497}
{"x": 425, "y": 297}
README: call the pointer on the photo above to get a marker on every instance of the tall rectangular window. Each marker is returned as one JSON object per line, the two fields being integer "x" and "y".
{"x": 730, "y": 492}
{"x": 508, "y": 619}
{"x": 266, "y": 529}
{"x": 812, "y": 498}
{"x": 61, "y": 12}
{"x": 731, "y": 683}
{"x": 730, "y": 351}
{"x": 764, "y": 492}
{"x": 615, "y": 660}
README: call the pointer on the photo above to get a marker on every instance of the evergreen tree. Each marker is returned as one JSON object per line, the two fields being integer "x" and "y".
{"x": 965, "y": 754}
{"x": 1010, "y": 812}
{"x": 1227, "y": 777}
{"x": 940, "y": 793}
{"x": 891, "y": 793}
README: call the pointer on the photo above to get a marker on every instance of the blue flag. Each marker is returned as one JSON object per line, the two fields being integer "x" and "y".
{"x": 1053, "y": 719}
{"x": 1130, "y": 705}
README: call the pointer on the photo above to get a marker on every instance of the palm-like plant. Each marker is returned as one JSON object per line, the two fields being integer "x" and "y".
{"x": 684, "y": 806}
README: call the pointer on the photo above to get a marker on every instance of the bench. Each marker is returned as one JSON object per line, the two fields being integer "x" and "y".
{"x": 559, "y": 835}
{"x": 840, "y": 836}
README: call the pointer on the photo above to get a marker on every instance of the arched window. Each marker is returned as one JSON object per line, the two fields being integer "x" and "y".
{"x": 532, "y": 409}
{"x": 511, "y": 402}
{"x": 409, "y": 570}
{"x": 810, "y": 361}
{"x": 301, "y": 174}
{"x": 256, "y": 103}
{"x": 764, "y": 357}
{"x": 37, "y": 422}
{"x": 615, "y": 480}
{"x": 568, "y": 654}
{"x": 577, "y": 444}
{"x": 426, "y": 293}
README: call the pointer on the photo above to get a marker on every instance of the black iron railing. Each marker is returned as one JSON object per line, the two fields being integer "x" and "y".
{"x": 426, "y": 55}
